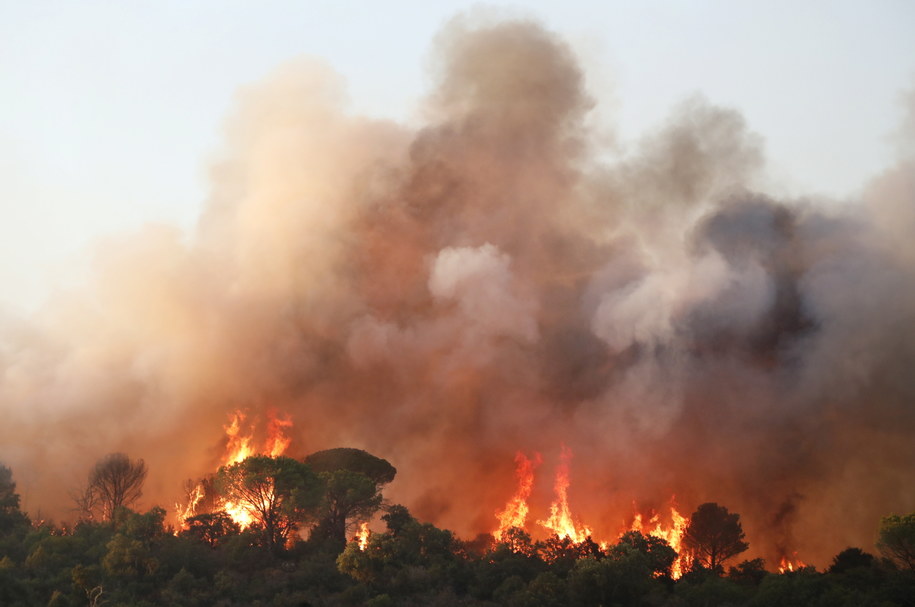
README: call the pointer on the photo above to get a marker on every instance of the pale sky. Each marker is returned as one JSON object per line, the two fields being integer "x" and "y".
{"x": 110, "y": 112}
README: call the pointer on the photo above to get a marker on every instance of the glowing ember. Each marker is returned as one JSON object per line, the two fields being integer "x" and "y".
{"x": 788, "y": 565}
{"x": 672, "y": 534}
{"x": 560, "y": 521}
{"x": 362, "y": 536}
{"x": 515, "y": 512}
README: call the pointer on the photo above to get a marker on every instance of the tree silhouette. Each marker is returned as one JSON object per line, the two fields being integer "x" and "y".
{"x": 353, "y": 479}
{"x": 713, "y": 536}
{"x": 115, "y": 481}
{"x": 849, "y": 559}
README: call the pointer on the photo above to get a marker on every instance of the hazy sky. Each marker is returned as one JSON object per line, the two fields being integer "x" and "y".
{"x": 111, "y": 112}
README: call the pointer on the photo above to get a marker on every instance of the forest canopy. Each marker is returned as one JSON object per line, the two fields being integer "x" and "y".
{"x": 282, "y": 555}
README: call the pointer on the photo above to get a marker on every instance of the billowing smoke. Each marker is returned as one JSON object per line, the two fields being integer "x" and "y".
{"x": 492, "y": 282}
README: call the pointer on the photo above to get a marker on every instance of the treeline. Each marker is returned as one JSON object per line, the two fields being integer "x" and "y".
{"x": 294, "y": 551}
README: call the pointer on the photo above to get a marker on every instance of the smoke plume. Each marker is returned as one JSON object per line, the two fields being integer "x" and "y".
{"x": 498, "y": 281}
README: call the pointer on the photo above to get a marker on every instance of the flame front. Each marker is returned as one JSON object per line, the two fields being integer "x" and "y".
{"x": 563, "y": 525}
{"x": 790, "y": 564}
{"x": 515, "y": 512}
{"x": 560, "y": 521}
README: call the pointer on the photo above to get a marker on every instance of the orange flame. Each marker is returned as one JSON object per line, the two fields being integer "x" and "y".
{"x": 560, "y": 521}
{"x": 239, "y": 446}
{"x": 277, "y": 440}
{"x": 672, "y": 534}
{"x": 185, "y": 512}
{"x": 515, "y": 512}
{"x": 789, "y": 565}
{"x": 362, "y": 536}
{"x": 563, "y": 525}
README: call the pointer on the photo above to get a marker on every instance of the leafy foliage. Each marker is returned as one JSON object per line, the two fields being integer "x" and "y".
{"x": 134, "y": 559}
{"x": 279, "y": 493}
{"x": 897, "y": 539}
{"x": 353, "y": 480}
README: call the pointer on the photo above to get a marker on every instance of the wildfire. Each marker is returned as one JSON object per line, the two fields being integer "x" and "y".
{"x": 277, "y": 440}
{"x": 672, "y": 534}
{"x": 563, "y": 525}
{"x": 186, "y": 512}
{"x": 362, "y": 536}
{"x": 515, "y": 512}
{"x": 560, "y": 521}
{"x": 789, "y": 565}
{"x": 239, "y": 446}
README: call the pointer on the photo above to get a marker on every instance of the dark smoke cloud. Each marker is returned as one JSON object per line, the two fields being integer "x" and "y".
{"x": 496, "y": 281}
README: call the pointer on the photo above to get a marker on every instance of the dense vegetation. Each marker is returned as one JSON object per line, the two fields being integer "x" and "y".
{"x": 123, "y": 557}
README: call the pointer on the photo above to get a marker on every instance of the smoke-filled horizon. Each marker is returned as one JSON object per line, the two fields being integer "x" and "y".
{"x": 496, "y": 281}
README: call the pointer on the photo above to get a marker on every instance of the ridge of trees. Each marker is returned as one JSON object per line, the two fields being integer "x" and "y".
{"x": 137, "y": 559}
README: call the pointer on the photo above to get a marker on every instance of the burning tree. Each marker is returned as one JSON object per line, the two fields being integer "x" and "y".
{"x": 713, "y": 536}
{"x": 272, "y": 493}
{"x": 115, "y": 481}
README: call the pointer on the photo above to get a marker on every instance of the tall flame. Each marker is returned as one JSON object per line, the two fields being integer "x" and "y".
{"x": 362, "y": 536}
{"x": 240, "y": 446}
{"x": 560, "y": 521}
{"x": 672, "y": 534}
{"x": 185, "y": 512}
{"x": 515, "y": 512}
{"x": 277, "y": 440}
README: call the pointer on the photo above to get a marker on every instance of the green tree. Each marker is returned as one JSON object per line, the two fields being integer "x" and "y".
{"x": 115, "y": 481}
{"x": 11, "y": 517}
{"x": 896, "y": 539}
{"x": 132, "y": 551}
{"x": 279, "y": 493}
{"x": 659, "y": 553}
{"x": 211, "y": 528}
{"x": 353, "y": 479}
{"x": 417, "y": 559}
{"x": 397, "y": 518}
{"x": 625, "y": 578}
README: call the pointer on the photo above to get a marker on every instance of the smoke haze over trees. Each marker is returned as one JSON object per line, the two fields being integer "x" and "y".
{"x": 494, "y": 281}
